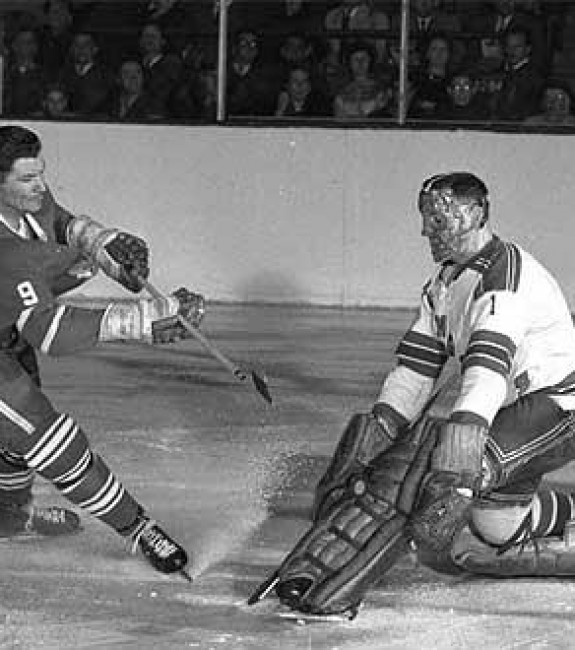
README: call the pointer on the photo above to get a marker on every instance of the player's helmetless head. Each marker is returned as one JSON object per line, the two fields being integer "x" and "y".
{"x": 454, "y": 208}
{"x": 22, "y": 185}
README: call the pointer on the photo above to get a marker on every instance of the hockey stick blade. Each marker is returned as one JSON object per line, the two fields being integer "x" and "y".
{"x": 259, "y": 383}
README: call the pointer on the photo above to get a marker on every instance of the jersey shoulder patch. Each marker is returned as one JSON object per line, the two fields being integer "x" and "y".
{"x": 500, "y": 268}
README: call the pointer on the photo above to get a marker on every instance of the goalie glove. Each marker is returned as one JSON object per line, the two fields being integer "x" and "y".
{"x": 138, "y": 320}
{"x": 121, "y": 256}
{"x": 447, "y": 495}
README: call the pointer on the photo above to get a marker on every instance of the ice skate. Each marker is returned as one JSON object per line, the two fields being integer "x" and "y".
{"x": 161, "y": 551}
{"x": 46, "y": 521}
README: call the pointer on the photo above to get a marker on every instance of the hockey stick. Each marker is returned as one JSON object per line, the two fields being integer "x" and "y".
{"x": 259, "y": 382}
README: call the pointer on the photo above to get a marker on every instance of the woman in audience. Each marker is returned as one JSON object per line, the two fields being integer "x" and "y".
{"x": 365, "y": 95}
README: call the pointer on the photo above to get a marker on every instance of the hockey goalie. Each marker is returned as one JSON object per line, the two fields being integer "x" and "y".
{"x": 478, "y": 407}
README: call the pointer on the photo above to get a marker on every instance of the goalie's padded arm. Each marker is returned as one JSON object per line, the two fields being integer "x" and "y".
{"x": 406, "y": 391}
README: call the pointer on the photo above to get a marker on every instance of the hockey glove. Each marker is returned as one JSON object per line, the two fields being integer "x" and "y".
{"x": 455, "y": 477}
{"x": 136, "y": 320}
{"x": 122, "y": 256}
{"x": 192, "y": 308}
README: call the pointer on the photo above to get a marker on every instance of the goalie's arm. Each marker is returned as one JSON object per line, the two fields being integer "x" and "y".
{"x": 420, "y": 359}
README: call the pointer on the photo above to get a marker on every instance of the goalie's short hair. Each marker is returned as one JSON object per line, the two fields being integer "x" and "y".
{"x": 16, "y": 142}
{"x": 464, "y": 186}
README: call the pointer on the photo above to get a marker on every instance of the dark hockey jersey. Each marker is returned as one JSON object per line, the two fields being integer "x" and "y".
{"x": 35, "y": 268}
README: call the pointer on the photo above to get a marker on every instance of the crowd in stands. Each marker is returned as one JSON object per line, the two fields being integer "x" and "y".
{"x": 138, "y": 61}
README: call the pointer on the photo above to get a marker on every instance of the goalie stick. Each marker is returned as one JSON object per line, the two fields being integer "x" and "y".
{"x": 258, "y": 381}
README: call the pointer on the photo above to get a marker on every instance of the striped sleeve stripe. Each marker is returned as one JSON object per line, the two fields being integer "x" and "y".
{"x": 52, "y": 444}
{"x": 69, "y": 477}
{"x": 16, "y": 481}
{"x": 421, "y": 353}
{"x": 23, "y": 319}
{"x": 19, "y": 420}
{"x": 52, "y": 330}
{"x": 105, "y": 499}
{"x": 513, "y": 267}
{"x": 491, "y": 350}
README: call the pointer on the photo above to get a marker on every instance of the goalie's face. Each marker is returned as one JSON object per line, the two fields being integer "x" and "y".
{"x": 450, "y": 224}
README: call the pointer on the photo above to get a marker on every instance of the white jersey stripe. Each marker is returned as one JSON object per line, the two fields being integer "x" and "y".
{"x": 16, "y": 418}
{"x": 52, "y": 329}
{"x": 61, "y": 433}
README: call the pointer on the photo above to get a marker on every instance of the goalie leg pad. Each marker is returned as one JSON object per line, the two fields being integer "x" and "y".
{"x": 335, "y": 563}
{"x": 361, "y": 536}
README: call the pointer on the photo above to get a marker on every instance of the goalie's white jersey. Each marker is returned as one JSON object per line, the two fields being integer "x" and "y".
{"x": 504, "y": 320}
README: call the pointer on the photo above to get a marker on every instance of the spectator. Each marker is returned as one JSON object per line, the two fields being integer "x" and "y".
{"x": 522, "y": 83}
{"x": 24, "y": 80}
{"x": 465, "y": 102}
{"x": 426, "y": 18}
{"x": 281, "y": 17}
{"x": 56, "y": 36}
{"x": 129, "y": 101}
{"x": 197, "y": 98}
{"x": 356, "y": 16}
{"x": 87, "y": 79}
{"x": 295, "y": 49}
{"x": 163, "y": 69}
{"x": 251, "y": 88}
{"x": 364, "y": 96}
{"x": 556, "y": 106}
{"x": 300, "y": 98}
{"x": 174, "y": 18}
{"x": 430, "y": 84}
{"x": 492, "y": 25}
{"x": 56, "y": 103}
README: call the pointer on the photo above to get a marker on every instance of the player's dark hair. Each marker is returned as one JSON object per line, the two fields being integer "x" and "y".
{"x": 16, "y": 142}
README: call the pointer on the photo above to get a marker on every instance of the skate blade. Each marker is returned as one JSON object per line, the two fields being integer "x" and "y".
{"x": 303, "y": 619}
{"x": 264, "y": 589}
{"x": 185, "y": 575}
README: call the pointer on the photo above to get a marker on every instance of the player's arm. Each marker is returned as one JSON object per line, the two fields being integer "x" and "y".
{"x": 122, "y": 256}
{"x": 58, "y": 329}
{"x": 498, "y": 327}
{"x": 420, "y": 358}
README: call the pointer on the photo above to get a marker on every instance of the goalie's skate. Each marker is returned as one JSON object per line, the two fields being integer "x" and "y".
{"x": 161, "y": 551}
{"x": 47, "y": 521}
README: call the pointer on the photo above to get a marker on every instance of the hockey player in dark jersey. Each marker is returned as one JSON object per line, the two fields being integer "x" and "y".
{"x": 45, "y": 251}
{"x": 479, "y": 406}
